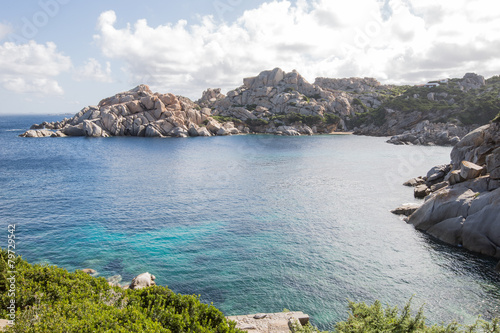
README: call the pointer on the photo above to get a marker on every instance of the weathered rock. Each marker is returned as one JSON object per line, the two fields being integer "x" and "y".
{"x": 89, "y": 271}
{"x": 421, "y": 191}
{"x": 406, "y": 209}
{"x": 455, "y": 177}
{"x": 179, "y": 132}
{"x": 74, "y": 130}
{"x": 466, "y": 212}
{"x": 469, "y": 170}
{"x": 438, "y": 186}
{"x": 91, "y": 129}
{"x": 213, "y": 126}
{"x": 203, "y": 131}
{"x": 493, "y": 164}
{"x": 437, "y": 173}
{"x": 414, "y": 182}
{"x": 142, "y": 281}
{"x": 442, "y": 205}
{"x": 38, "y": 133}
{"x": 448, "y": 231}
{"x": 152, "y": 131}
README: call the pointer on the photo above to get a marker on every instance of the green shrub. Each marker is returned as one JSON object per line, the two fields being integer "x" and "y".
{"x": 225, "y": 119}
{"x": 497, "y": 118}
{"x": 251, "y": 107}
{"x": 256, "y": 122}
{"x": 331, "y": 119}
{"x": 51, "y": 299}
{"x": 357, "y": 101}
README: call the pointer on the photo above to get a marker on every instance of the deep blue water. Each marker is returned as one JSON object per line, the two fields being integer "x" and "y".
{"x": 251, "y": 223}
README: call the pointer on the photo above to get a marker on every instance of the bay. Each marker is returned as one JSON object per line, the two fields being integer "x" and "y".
{"x": 251, "y": 223}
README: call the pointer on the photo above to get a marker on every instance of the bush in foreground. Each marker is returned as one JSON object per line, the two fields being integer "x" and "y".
{"x": 375, "y": 318}
{"x": 50, "y": 299}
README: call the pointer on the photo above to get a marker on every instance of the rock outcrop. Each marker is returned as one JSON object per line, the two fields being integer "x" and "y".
{"x": 276, "y": 102}
{"x": 281, "y": 103}
{"x": 142, "y": 281}
{"x": 137, "y": 112}
{"x": 353, "y": 84}
{"x": 464, "y": 209}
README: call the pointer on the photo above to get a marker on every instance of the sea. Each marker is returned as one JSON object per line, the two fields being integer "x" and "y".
{"x": 250, "y": 223}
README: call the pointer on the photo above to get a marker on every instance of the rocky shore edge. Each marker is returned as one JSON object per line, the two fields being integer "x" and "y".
{"x": 462, "y": 199}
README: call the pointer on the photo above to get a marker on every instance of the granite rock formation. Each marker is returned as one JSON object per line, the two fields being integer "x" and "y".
{"x": 463, "y": 210}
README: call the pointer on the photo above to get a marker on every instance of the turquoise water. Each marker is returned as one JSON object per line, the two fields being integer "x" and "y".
{"x": 251, "y": 223}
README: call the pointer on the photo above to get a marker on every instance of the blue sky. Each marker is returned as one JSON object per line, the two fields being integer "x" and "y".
{"x": 57, "y": 56}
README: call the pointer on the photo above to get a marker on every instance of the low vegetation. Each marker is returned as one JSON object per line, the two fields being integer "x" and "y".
{"x": 375, "y": 318}
{"x": 51, "y": 299}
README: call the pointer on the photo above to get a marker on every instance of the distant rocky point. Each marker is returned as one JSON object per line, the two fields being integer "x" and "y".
{"x": 280, "y": 103}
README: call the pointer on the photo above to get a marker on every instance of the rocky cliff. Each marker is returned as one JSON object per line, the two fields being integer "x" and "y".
{"x": 462, "y": 199}
{"x": 137, "y": 112}
{"x": 276, "y": 102}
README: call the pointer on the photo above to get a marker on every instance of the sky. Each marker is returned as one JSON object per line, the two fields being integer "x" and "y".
{"x": 58, "y": 56}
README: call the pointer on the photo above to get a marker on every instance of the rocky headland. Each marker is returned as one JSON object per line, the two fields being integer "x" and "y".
{"x": 280, "y": 103}
{"x": 462, "y": 198}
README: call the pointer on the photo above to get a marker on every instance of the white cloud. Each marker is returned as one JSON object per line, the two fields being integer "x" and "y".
{"x": 5, "y": 29}
{"x": 93, "y": 71}
{"x": 31, "y": 67}
{"x": 321, "y": 38}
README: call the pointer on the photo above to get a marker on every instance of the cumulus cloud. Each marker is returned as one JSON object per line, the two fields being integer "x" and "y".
{"x": 333, "y": 38}
{"x": 5, "y": 29}
{"x": 32, "y": 67}
{"x": 92, "y": 70}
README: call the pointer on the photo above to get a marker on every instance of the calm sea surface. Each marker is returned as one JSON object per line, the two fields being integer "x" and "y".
{"x": 251, "y": 223}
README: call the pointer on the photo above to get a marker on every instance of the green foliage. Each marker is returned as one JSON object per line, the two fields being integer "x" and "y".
{"x": 256, "y": 122}
{"x": 225, "y": 119}
{"x": 497, "y": 118}
{"x": 375, "y": 318}
{"x": 311, "y": 120}
{"x": 476, "y": 106}
{"x": 50, "y": 299}
{"x": 251, "y": 107}
{"x": 373, "y": 116}
{"x": 331, "y": 119}
{"x": 481, "y": 108}
{"x": 306, "y": 99}
{"x": 357, "y": 101}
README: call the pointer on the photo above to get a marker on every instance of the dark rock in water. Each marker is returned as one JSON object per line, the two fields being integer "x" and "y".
{"x": 414, "y": 182}
{"x": 421, "y": 191}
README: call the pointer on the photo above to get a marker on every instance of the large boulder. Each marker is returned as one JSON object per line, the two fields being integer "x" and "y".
{"x": 142, "y": 281}
{"x": 38, "y": 133}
